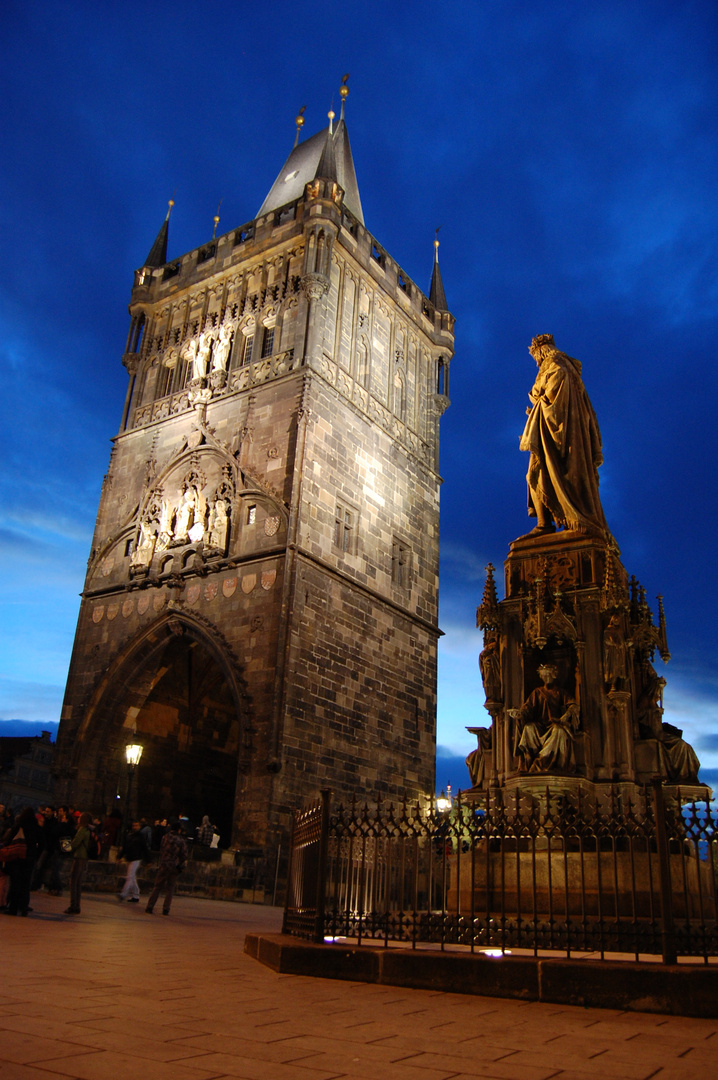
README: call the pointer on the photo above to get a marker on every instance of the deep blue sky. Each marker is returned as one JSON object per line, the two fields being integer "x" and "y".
{"x": 569, "y": 151}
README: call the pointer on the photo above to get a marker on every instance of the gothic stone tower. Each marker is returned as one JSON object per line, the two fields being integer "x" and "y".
{"x": 260, "y": 607}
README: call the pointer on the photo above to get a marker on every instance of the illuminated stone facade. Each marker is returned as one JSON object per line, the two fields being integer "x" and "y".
{"x": 260, "y": 608}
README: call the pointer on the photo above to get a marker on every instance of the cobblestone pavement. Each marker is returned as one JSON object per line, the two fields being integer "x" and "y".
{"x": 113, "y": 994}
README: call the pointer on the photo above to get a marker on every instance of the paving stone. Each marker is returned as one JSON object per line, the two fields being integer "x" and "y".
{"x": 205, "y": 1010}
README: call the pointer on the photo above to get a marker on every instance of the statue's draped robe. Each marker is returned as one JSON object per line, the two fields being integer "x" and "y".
{"x": 564, "y": 441}
{"x": 545, "y": 735}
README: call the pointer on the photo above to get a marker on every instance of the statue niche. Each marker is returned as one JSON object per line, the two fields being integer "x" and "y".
{"x": 192, "y": 510}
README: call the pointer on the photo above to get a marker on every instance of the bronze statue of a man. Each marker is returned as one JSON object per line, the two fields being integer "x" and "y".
{"x": 563, "y": 439}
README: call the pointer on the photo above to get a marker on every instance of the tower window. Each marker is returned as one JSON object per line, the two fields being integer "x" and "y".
{"x": 251, "y": 515}
{"x": 400, "y": 563}
{"x": 268, "y": 342}
{"x": 164, "y": 380}
{"x": 442, "y": 377}
{"x": 345, "y": 528}
{"x": 247, "y": 349}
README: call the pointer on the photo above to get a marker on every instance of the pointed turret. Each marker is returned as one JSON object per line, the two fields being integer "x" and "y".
{"x": 303, "y": 165}
{"x": 327, "y": 167}
{"x": 437, "y": 296}
{"x": 487, "y": 613}
{"x": 158, "y": 251}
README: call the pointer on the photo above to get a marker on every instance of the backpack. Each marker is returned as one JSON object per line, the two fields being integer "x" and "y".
{"x": 93, "y": 845}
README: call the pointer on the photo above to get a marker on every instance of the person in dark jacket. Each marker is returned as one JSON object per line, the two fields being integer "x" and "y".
{"x": 134, "y": 850}
{"x": 20, "y": 870}
{"x": 80, "y": 854}
{"x": 173, "y": 857}
{"x": 60, "y": 845}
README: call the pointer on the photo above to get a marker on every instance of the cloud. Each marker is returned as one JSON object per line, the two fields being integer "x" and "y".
{"x": 36, "y": 703}
{"x": 451, "y": 770}
{"x": 461, "y": 560}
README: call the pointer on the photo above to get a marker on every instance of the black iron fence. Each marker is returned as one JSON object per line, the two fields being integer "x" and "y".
{"x": 537, "y": 869}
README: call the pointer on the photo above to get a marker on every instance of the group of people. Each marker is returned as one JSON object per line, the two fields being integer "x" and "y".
{"x": 34, "y": 844}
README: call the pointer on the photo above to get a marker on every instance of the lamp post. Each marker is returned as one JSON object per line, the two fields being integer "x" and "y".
{"x": 133, "y": 753}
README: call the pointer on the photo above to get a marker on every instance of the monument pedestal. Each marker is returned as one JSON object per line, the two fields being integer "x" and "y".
{"x": 569, "y": 606}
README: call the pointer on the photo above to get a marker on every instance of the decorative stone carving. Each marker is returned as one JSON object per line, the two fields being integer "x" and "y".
{"x": 218, "y": 525}
{"x": 229, "y": 585}
{"x": 222, "y": 347}
{"x": 191, "y": 513}
{"x": 490, "y": 666}
{"x": 315, "y": 286}
{"x": 477, "y": 759}
{"x": 615, "y": 664}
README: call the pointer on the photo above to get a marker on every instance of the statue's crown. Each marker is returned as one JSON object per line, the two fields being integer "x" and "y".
{"x": 541, "y": 339}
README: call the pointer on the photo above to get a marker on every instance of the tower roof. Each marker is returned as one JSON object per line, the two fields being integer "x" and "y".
{"x": 437, "y": 296}
{"x": 302, "y": 166}
{"x": 158, "y": 251}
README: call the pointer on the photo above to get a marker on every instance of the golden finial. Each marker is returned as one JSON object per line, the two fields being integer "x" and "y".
{"x": 299, "y": 121}
{"x": 436, "y": 245}
{"x": 344, "y": 91}
{"x": 216, "y": 219}
{"x": 331, "y": 114}
{"x": 171, "y": 203}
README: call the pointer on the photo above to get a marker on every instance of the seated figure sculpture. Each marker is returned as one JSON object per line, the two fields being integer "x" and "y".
{"x": 564, "y": 442}
{"x": 477, "y": 760}
{"x": 543, "y": 736}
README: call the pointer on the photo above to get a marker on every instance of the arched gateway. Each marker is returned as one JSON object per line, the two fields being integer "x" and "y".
{"x": 177, "y": 691}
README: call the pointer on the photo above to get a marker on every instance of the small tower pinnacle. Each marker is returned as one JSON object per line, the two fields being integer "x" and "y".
{"x": 437, "y": 296}
{"x": 216, "y": 219}
{"x": 158, "y": 251}
{"x": 327, "y": 166}
{"x": 344, "y": 91}
{"x": 299, "y": 121}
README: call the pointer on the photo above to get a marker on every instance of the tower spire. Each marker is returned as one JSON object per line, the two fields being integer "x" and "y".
{"x": 327, "y": 166}
{"x": 437, "y": 296}
{"x": 158, "y": 251}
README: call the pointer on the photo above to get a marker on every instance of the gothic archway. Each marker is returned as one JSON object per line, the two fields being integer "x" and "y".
{"x": 176, "y": 690}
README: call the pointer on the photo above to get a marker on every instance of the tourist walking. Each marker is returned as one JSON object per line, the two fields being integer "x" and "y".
{"x": 80, "y": 854}
{"x": 134, "y": 850}
{"x": 173, "y": 858}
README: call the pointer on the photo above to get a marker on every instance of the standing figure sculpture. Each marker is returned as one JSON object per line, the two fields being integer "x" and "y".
{"x": 222, "y": 347}
{"x": 563, "y": 439}
{"x": 490, "y": 666}
{"x": 545, "y": 725}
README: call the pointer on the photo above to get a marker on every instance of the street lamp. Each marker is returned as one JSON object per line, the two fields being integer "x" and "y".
{"x": 133, "y": 753}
